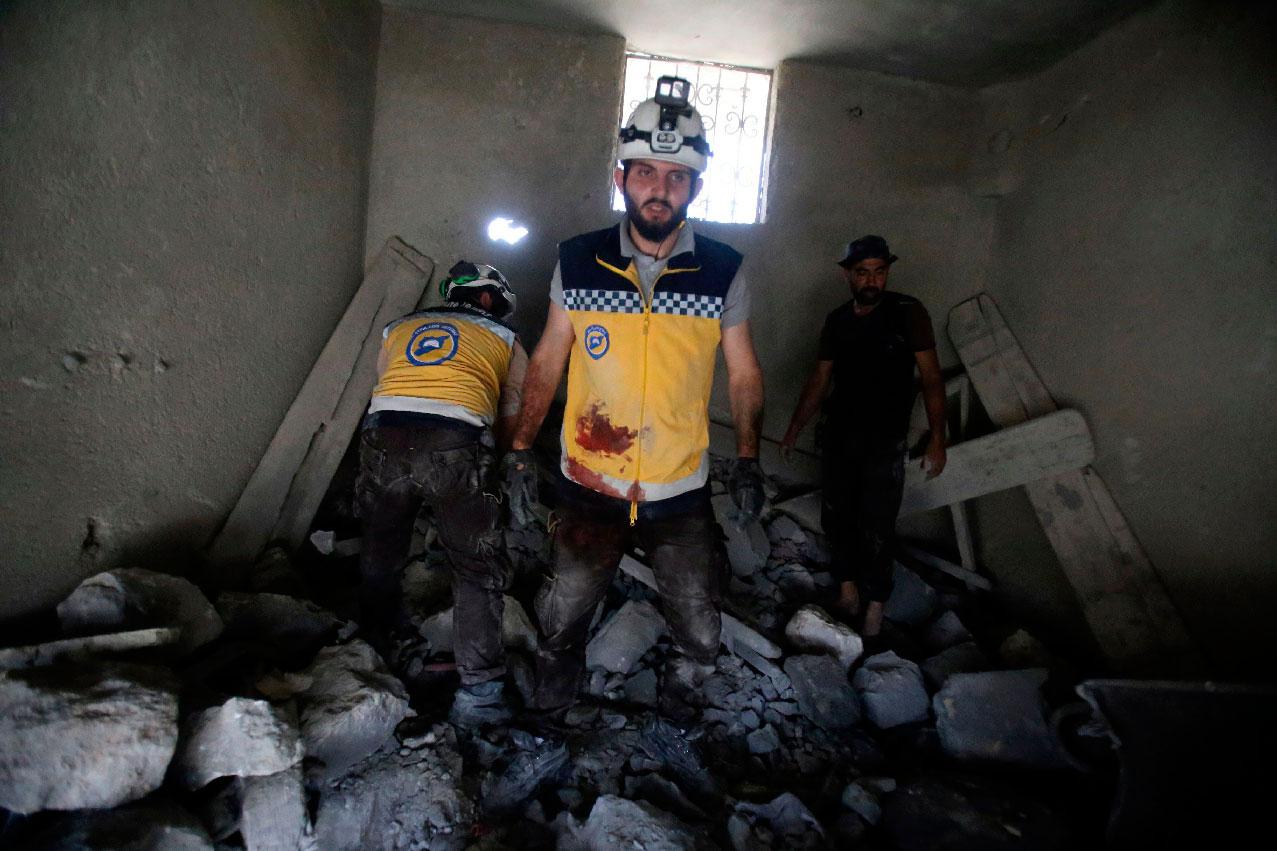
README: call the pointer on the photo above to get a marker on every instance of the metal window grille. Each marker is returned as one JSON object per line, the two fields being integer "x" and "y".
{"x": 734, "y": 104}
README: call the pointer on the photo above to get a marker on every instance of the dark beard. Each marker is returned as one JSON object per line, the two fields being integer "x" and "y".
{"x": 868, "y": 296}
{"x": 653, "y": 232}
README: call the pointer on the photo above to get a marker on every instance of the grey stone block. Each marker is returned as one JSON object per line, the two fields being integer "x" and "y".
{"x": 84, "y": 736}
{"x": 965, "y": 658}
{"x": 621, "y": 642}
{"x": 812, "y": 629}
{"x": 133, "y": 598}
{"x": 912, "y": 600}
{"x": 891, "y": 690}
{"x": 823, "y": 693}
{"x": 997, "y": 716}
{"x": 242, "y": 738}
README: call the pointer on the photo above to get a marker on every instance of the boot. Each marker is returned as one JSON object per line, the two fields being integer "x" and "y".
{"x": 480, "y": 705}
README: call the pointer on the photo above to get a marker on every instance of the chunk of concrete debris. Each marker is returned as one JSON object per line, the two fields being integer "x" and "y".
{"x": 783, "y": 528}
{"x": 615, "y": 823}
{"x": 998, "y": 716}
{"x": 789, "y": 821}
{"x": 748, "y": 547}
{"x": 395, "y": 799}
{"x": 622, "y": 640}
{"x": 517, "y": 631}
{"x": 912, "y": 600}
{"x": 823, "y": 692}
{"x": 1022, "y": 650}
{"x": 80, "y": 736}
{"x": 66, "y": 649}
{"x": 153, "y": 824}
{"x": 812, "y": 629}
{"x": 133, "y": 598}
{"x": 242, "y": 738}
{"x": 965, "y": 658}
{"x": 946, "y": 631}
{"x": 273, "y": 815}
{"x": 641, "y": 688}
{"x": 763, "y": 740}
{"x": 891, "y": 690}
{"x": 288, "y": 623}
{"x": 795, "y": 581}
{"x": 863, "y": 801}
{"x": 351, "y": 707}
{"x": 666, "y": 744}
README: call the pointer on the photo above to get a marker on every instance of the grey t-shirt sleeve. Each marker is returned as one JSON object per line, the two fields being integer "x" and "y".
{"x": 736, "y": 302}
{"x": 556, "y": 286}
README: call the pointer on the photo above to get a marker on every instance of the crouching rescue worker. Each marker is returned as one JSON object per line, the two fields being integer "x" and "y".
{"x": 637, "y": 312}
{"x": 868, "y": 350}
{"x": 444, "y": 375}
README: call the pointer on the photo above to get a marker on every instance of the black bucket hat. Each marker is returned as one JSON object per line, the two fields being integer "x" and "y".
{"x": 866, "y": 247}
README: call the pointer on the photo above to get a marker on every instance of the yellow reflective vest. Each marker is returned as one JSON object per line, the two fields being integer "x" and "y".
{"x": 449, "y": 361}
{"x": 636, "y": 424}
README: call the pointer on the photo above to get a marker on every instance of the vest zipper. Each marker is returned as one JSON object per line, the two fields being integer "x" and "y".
{"x": 638, "y": 462}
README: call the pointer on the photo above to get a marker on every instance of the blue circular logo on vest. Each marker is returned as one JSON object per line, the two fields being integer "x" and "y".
{"x": 597, "y": 341}
{"x": 432, "y": 344}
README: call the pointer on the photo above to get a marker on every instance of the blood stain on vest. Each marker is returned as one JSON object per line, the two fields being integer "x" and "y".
{"x": 583, "y": 475}
{"x": 596, "y": 433}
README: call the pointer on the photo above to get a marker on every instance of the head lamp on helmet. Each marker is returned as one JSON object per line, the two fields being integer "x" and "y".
{"x": 466, "y": 279}
{"x": 666, "y": 127}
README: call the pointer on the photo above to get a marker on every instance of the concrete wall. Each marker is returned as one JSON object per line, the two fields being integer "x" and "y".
{"x": 1135, "y": 259}
{"x": 182, "y": 190}
{"x": 477, "y": 119}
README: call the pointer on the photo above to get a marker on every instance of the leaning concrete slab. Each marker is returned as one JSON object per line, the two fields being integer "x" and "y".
{"x": 280, "y": 498}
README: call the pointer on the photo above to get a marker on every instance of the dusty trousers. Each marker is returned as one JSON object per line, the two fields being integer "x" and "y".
{"x": 686, "y": 553}
{"x": 403, "y": 469}
{"x": 863, "y": 486}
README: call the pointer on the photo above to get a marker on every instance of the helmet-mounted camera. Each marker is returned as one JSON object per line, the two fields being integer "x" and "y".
{"x": 671, "y": 103}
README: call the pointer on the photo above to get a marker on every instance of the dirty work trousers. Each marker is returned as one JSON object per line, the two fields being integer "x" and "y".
{"x": 686, "y": 553}
{"x": 403, "y": 468}
{"x": 863, "y": 485}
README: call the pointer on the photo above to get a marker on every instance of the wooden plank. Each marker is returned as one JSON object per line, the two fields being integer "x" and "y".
{"x": 38, "y": 655}
{"x": 970, "y": 577}
{"x": 998, "y": 461}
{"x": 962, "y": 535}
{"x": 281, "y": 496}
{"x": 735, "y": 632}
{"x": 1124, "y": 602}
{"x": 1007, "y": 458}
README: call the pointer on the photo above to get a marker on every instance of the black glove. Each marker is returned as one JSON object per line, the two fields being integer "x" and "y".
{"x": 746, "y": 486}
{"x": 519, "y": 474}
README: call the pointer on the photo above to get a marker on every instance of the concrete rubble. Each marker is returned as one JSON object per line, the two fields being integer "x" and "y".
{"x": 891, "y": 691}
{"x": 296, "y": 734}
{"x": 133, "y": 598}
{"x": 352, "y": 706}
{"x": 240, "y": 738}
{"x": 811, "y": 628}
{"x": 84, "y": 736}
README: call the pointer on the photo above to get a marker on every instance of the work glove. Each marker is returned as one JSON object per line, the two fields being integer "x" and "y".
{"x": 746, "y": 486}
{"x": 519, "y": 475}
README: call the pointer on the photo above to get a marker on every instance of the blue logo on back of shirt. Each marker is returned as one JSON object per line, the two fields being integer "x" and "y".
{"x": 432, "y": 344}
{"x": 597, "y": 341}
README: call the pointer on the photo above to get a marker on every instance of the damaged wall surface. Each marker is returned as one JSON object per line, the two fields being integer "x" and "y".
{"x": 479, "y": 119}
{"x": 1135, "y": 259}
{"x": 183, "y": 188}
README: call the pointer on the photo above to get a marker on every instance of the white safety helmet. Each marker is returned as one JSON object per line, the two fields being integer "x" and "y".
{"x": 666, "y": 127}
{"x": 471, "y": 277}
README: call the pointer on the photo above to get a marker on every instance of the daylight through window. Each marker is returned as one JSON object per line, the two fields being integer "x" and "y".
{"x": 734, "y": 103}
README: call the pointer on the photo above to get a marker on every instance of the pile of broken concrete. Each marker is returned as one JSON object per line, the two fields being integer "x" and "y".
{"x": 168, "y": 717}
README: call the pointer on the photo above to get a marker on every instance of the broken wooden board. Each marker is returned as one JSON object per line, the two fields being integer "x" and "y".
{"x": 1032, "y": 450}
{"x": 735, "y": 632}
{"x": 38, "y": 655}
{"x": 957, "y": 571}
{"x": 1004, "y": 459}
{"x": 284, "y": 491}
{"x": 1124, "y": 602}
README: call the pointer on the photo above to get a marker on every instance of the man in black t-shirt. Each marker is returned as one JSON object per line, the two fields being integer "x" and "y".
{"x": 868, "y": 349}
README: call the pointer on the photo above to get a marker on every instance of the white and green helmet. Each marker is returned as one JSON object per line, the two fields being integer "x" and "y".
{"x": 666, "y": 127}
{"x": 476, "y": 277}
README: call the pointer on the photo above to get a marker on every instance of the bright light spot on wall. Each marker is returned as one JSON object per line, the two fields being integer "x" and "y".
{"x": 505, "y": 230}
